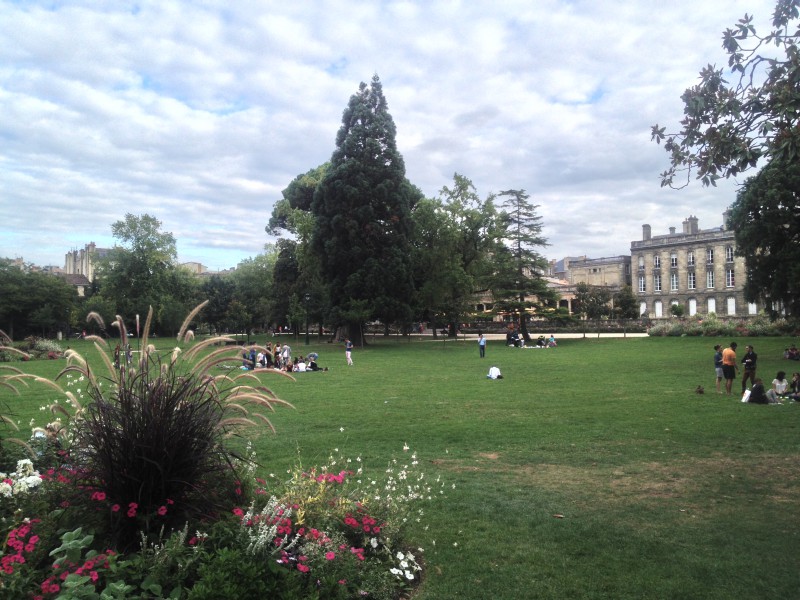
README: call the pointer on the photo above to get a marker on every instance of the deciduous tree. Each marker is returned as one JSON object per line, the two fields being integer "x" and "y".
{"x": 767, "y": 218}
{"x": 730, "y": 124}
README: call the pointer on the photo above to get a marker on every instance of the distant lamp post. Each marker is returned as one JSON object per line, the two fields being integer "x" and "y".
{"x": 307, "y": 297}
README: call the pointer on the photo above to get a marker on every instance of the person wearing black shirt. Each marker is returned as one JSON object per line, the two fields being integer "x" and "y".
{"x": 749, "y": 362}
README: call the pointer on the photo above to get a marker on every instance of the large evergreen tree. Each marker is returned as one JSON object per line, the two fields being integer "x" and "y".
{"x": 518, "y": 284}
{"x": 362, "y": 209}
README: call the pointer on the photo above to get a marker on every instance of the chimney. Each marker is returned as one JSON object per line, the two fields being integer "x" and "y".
{"x": 672, "y": 231}
{"x": 686, "y": 226}
{"x": 725, "y": 218}
{"x": 646, "y": 232}
{"x": 693, "y": 228}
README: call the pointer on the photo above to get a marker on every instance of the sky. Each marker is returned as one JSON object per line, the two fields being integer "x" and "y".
{"x": 201, "y": 113}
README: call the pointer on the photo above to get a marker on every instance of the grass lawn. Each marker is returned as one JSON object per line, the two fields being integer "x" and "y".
{"x": 592, "y": 470}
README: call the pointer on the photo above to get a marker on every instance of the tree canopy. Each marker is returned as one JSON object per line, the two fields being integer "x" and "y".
{"x": 728, "y": 126}
{"x": 362, "y": 208}
{"x": 767, "y": 214}
{"x": 141, "y": 272}
{"x": 518, "y": 284}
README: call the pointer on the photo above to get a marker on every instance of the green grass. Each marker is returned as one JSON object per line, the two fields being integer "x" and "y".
{"x": 590, "y": 471}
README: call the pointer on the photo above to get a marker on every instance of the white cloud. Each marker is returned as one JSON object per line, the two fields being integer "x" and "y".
{"x": 201, "y": 113}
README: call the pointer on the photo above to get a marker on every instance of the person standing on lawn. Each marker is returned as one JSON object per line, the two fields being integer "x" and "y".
{"x": 348, "y": 351}
{"x": 729, "y": 366}
{"x": 481, "y": 345}
{"x": 749, "y": 362}
{"x": 718, "y": 366}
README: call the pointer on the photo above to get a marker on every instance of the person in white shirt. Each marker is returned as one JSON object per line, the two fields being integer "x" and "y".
{"x": 779, "y": 387}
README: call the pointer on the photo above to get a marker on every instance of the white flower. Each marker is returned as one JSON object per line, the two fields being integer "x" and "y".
{"x": 400, "y": 556}
{"x": 374, "y": 542}
{"x": 394, "y": 571}
{"x": 405, "y": 447}
{"x": 409, "y": 575}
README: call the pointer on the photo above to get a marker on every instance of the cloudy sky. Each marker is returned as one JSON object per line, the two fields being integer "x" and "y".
{"x": 200, "y": 113}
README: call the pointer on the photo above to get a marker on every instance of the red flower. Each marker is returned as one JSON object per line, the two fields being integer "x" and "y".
{"x": 330, "y": 555}
{"x": 162, "y": 510}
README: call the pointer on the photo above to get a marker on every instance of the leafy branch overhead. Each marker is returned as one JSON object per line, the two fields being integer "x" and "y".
{"x": 729, "y": 125}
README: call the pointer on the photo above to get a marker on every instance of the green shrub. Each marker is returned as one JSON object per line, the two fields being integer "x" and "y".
{"x": 233, "y": 573}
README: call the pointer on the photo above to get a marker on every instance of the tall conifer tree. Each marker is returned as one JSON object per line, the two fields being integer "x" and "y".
{"x": 362, "y": 209}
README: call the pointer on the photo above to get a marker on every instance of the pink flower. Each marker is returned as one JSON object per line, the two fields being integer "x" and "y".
{"x": 115, "y": 508}
{"x": 303, "y": 568}
{"x": 330, "y": 555}
{"x": 162, "y": 510}
{"x": 238, "y": 512}
{"x": 94, "y": 576}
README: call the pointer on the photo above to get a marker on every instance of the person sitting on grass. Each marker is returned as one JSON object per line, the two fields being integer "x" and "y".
{"x": 793, "y": 393}
{"x": 757, "y": 393}
{"x": 779, "y": 388}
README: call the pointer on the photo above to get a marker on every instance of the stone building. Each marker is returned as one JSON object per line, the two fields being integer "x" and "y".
{"x": 81, "y": 262}
{"x": 613, "y": 272}
{"x": 695, "y": 268}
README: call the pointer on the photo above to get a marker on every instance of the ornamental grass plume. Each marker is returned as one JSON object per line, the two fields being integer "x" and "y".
{"x": 152, "y": 437}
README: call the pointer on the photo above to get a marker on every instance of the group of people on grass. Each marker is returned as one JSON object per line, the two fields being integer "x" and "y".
{"x": 515, "y": 340}
{"x": 279, "y": 357}
{"x": 726, "y": 367}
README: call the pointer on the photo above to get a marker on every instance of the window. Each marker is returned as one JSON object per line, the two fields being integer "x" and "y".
{"x": 710, "y": 279}
{"x": 730, "y": 278}
{"x": 710, "y": 256}
{"x": 712, "y": 305}
{"x": 656, "y": 261}
{"x": 729, "y": 254}
{"x": 692, "y": 307}
{"x": 659, "y": 309}
{"x": 641, "y": 263}
{"x": 690, "y": 258}
{"x": 642, "y": 284}
{"x": 673, "y": 282}
{"x": 673, "y": 259}
{"x": 657, "y": 282}
{"x": 752, "y": 309}
{"x": 692, "y": 282}
{"x": 642, "y": 308}
{"x": 731, "y": 305}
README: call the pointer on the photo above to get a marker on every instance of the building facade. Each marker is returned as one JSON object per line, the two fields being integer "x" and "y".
{"x": 696, "y": 269}
{"x": 81, "y": 262}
